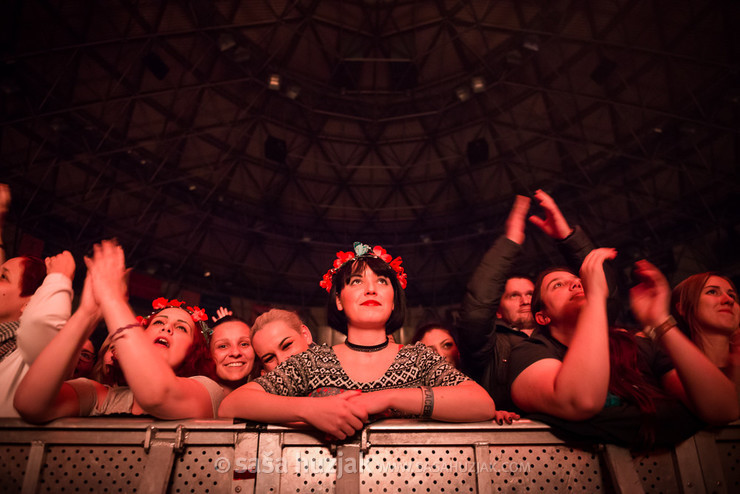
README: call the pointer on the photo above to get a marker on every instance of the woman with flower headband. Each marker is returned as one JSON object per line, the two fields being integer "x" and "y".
{"x": 161, "y": 356}
{"x": 337, "y": 388}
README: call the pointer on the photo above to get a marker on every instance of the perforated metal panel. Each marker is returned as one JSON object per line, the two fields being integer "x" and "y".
{"x": 546, "y": 469}
{"x": 91, "y": 469}
{"x": 729, "y": 454}
{"x": 418, "y": 469}
{"x": 196, "y": 470}
{"x": 656, "y": 472}
{"x": 395, "y": 457}
{"x": 13, "y": 460}
{"x": 307, "y": 469}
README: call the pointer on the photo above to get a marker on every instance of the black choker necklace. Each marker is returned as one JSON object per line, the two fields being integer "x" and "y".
{"x": 367, "y": 349}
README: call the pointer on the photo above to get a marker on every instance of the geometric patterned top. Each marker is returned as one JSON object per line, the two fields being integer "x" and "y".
{"x": 311, "y": 372}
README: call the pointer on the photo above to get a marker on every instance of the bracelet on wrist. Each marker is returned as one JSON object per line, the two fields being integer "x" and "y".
{"x": 427, "y": 402}
{"x": 657, "y": 332}
{"x": 118, "y": 333}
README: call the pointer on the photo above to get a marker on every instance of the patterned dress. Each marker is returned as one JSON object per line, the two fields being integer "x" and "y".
{"x": 317, "y": 372}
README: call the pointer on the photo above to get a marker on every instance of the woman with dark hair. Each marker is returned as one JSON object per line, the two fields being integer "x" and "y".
{"x": 438, "y": 336}
{"x": 162, "y": 356}
{"x": 707, "y": 310}
{"x": 231, "y": 349}
{"x": 603, "y": 383}
{"x": 366, "y": 375}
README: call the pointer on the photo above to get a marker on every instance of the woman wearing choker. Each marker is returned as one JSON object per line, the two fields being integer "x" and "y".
{"x": 337, "y": 388}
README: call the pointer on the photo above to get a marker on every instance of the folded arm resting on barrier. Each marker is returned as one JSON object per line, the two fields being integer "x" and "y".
{"x": 335, "y": 415}
{"x": 343, "y": 414}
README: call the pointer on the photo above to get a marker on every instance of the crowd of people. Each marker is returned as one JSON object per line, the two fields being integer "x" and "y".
{"x": 549, "y": 349}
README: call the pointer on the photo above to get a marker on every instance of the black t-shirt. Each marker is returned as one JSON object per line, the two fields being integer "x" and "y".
{"x": 619, "y": 422}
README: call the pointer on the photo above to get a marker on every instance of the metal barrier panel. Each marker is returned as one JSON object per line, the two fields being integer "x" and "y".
{"x": 435, "y": 457}
{"x": 728, "y": 451}
{"x": 13, "y": 460}
{"x": 393, "y": 456}
{"x": 656, "y": 472}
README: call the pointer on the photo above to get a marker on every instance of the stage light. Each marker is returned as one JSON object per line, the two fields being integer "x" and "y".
{"x": 273, "y": 82}
{"x": 478, "y": 83}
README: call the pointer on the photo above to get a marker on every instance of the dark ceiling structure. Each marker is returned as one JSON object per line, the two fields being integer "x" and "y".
{"x": 234, "y": 146}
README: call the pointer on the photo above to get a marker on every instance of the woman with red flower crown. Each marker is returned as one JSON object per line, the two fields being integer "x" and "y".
{"x": 337, "y": 388}
{"x": 162, "y": 357}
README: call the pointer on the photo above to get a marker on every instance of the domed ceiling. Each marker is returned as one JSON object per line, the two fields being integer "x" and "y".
{"x": 234, "y": 146}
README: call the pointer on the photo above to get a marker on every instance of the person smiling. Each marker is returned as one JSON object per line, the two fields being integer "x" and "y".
{"x": 605, "y": 383}
{"x": 231, "y": 351}
{"x": 277, "y": 335}
{"x": 706, "y": 308}
{"x": 336, "y": 389}
{"x": 157, "y": 354}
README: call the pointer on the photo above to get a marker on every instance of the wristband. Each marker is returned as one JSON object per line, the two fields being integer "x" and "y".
{"x": 118, "y": 332}
{"x": 660, "y": 330}
{"x": 427, "y": 402}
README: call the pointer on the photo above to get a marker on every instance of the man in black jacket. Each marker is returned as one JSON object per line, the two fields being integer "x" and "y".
{"x": 496, "y": 312}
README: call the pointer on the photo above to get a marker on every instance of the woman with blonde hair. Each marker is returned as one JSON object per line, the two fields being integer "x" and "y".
{"x": 277, "y": 335}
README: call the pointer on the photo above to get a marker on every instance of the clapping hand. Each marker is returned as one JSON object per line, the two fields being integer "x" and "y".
{"x": 592, "y": 273}
{"x": 650, "y": 299}
{"x": 554, "y": 224}
{"x": 107, "y": 270}
{"x": 517, "y": 219}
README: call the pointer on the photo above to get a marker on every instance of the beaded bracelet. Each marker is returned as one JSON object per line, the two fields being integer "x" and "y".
{"x": 427, "y": 403}
{"x": 117, "y": 333}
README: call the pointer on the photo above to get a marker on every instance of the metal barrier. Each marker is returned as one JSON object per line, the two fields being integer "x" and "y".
{"x": 217, "y": 456}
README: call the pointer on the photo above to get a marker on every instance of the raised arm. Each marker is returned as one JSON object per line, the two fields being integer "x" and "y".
{"x": 336, "y": 415}
{"x": 574, "y": 245}
{"x": 156, "y": 388}
{"x": 49, "y": 308}
{"x": 695, "y": 380}
{"x": 487, "y": 284}
{"x": 576, "y": 388}
{"x": 42, "y": 394}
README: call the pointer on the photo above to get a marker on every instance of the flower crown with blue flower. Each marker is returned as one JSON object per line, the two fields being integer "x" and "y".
{"x": 364, "y": 250}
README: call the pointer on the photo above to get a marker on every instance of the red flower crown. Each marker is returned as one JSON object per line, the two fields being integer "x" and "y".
{"x": 364, "y": 250}
{"x": 198, "y": 315}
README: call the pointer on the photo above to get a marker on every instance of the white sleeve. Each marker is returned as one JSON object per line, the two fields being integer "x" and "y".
{"x": 46, "y": 313}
